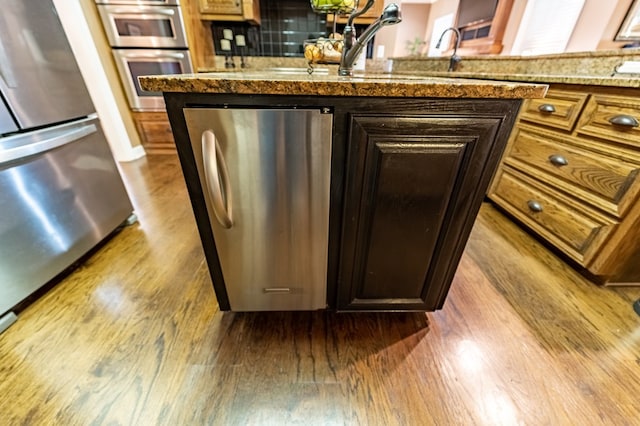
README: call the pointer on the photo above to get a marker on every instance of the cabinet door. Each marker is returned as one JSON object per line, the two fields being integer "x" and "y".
{"x": 412, "y": 193}
{"x": 221, "y": 7}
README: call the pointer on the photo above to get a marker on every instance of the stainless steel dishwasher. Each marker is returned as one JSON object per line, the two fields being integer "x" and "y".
{"x": 265, "y": 175}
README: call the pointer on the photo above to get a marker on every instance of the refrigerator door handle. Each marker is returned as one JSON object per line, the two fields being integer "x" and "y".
{"x": 38, "y": 147}
{"x": 217, "y": 178}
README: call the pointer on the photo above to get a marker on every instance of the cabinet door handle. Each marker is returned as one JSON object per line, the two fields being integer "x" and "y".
{"x": 217, "y": 178}
{"x": 547, "y": 108}
{"x": 534, "y": 206}
{"x": 624, "y": 120}
{"x": 558, "y": 160}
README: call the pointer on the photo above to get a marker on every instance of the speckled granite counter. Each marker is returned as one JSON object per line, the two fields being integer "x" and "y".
{"x": 373, "y": 85}
{"x": 594, "y": 80}
{"x": 587, "y": 68}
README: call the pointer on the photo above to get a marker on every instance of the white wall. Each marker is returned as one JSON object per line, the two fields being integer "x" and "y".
{"x": 591, "y": 25}
{"x": 81, "y": 40}
{"x": 415, "y": 17}
{"x": 438, "y": 9}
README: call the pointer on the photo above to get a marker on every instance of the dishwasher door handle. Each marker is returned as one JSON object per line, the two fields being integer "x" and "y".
{"x": 217, "y": 178}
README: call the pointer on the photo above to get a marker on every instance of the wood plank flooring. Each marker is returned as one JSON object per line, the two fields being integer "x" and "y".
{"x": 134, "y": 337}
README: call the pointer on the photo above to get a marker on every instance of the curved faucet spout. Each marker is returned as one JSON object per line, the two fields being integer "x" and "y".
{"x": 353, "y": 46}
{"x": 455, "y": 59}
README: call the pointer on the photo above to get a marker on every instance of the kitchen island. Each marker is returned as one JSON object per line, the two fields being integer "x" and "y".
{"x": 409, "y": 163}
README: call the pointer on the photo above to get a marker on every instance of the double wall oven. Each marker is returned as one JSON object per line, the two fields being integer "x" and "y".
{"x": 147, "y": 38}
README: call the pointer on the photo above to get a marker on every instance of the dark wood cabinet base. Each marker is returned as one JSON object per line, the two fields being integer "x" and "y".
{"x": 408, "y": 177}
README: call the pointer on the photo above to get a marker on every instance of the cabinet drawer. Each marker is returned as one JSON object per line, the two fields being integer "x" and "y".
{"x": 155, "y": 132}
{"x": 602, "y": 181}
{"x": 575, "y": 232}
{"x": 559, "y": 109}
{"x": 615, "y": 118}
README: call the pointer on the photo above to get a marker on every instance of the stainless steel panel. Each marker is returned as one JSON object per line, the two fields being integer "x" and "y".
{"x": 39, "y": 77}
{"x": 132, "y": 63}
{"x": 143, "y": 26}
{"x": 56, "y": 204}
{"x": 272, "y": 170}
{"x": 7, "y": 124}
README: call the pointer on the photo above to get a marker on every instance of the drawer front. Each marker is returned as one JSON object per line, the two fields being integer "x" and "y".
{"x": 615, "y": 118}
{"x": 597, "y": 179}
{"x": 575, "y": 233}
{"x": 559, "y": 109}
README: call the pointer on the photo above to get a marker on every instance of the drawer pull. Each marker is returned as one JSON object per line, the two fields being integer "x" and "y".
{"x": 624, "y": 120}
{"x": 547, "y": 108}
{"x": 558, "y": 160}
{"x": 534, "y": 206}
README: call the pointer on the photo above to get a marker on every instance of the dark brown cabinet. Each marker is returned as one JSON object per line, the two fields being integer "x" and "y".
{"x": 410, "y": 182}
{"x": 408, "y": 176}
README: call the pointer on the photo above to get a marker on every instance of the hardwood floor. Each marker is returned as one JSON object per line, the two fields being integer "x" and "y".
{"x": 134, "y": 337}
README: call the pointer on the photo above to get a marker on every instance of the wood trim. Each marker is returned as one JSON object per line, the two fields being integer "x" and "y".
{"x": 249, "y": 10}
{"x": 155, "y": 132}
{"x": 199, "y": 36}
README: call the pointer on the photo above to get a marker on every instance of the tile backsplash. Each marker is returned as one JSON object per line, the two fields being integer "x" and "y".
{"x": 285, "y": 26}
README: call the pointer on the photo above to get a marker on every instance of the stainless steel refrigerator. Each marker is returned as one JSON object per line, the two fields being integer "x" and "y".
{"x": 60, "y": 190}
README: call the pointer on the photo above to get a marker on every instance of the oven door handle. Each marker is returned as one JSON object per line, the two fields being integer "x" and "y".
{"x": 143, "y": 10}
{"x": 39, "y": 146}
{"x": 143, "y": 54}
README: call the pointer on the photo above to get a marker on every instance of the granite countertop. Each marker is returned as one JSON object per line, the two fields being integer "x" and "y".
{"x": 594, "y": 80}
{"x": 324, "y": 84}
{"x": 599, "y": 68}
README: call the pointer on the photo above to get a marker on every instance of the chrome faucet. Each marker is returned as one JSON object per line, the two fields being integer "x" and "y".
{"x": 353, "y": 46}
{"x": 455, "y": 59}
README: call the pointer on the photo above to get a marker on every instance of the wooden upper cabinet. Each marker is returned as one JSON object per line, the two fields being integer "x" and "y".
{"x": 221, "y": 7}
{"x": 230, "y": 10}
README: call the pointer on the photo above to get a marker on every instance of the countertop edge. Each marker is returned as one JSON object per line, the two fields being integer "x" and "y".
{"x": 595, "y": 80}
{"x": 415, "y": 86}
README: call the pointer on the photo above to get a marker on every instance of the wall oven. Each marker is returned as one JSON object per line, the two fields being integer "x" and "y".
{"x": 133, "y": 63}
{"x": 143, "y": 25}
{"x": 147, "y": 37}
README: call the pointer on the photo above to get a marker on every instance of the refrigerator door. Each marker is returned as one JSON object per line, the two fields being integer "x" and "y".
{"x": 39, "y": 77}
{"x": 265, "y": 175}
{"x": 61, "y": 194}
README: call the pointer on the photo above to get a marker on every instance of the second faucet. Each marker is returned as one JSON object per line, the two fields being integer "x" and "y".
{"x": 455, "y": 59}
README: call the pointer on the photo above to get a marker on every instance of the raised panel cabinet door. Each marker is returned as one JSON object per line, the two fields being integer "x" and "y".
{"x": 221, "y": 7}
{"x": 410, "y": 182}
